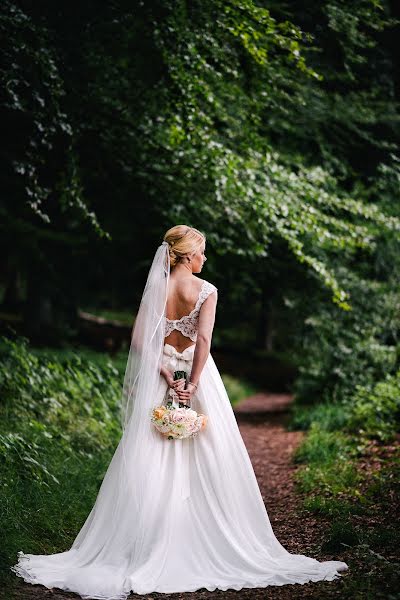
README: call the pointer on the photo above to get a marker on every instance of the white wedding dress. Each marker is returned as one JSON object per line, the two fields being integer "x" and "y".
{"x": 204, "y": 522}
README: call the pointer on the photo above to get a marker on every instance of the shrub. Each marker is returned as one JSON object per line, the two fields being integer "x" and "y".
{"x": 375, "y": 409}
{"x": 58, "y": 430}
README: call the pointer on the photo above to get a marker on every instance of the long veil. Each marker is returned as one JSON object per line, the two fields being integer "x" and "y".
{"x": 141, "y": 375}
{"x": 127, "y": 498}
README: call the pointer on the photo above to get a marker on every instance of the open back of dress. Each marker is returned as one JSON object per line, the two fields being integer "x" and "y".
{"x": 187, "y": 325}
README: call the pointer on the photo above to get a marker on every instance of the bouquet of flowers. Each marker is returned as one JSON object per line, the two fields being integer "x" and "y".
{"x": 177, "y": 422}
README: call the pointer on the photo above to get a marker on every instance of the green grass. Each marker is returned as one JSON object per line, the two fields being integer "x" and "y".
{"x": 330, "y": 417}
{"x": 360, "y": 504}
{"x": 329, "y": 473}
{"x": 69, "y": 352}
{"x": 237, "y": 389}
{"x": 58, "y": 430}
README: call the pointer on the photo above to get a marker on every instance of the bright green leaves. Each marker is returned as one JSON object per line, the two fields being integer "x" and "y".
{"x": 233, "y": 69}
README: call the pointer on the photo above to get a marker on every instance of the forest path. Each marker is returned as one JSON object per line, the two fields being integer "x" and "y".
{"x": 261, "y": 419}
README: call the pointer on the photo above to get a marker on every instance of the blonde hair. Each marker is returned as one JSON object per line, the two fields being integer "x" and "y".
{"x": 183, "y": 240}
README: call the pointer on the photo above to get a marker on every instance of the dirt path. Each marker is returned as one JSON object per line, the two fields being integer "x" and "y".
{"x": 261, "y": 420}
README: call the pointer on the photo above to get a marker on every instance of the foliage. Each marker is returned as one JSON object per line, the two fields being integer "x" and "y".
{"x": 375, "y": 410}
{"x": 237, "y": 389}
{"x": 350, "y": 118}
{"x": 355, "y": 486}
{"x": 212, "y": 143}
{"x": 254, "y": 123}
{"x": 46, "y": 402}
{"x": 329, "y": 471}
{"x": 330, "y": 416}
{"x": 348, "y": 399}
{"x": 58, "y": 429}
{"x": 337, "y": 351}
{"x": 33, "y": 107}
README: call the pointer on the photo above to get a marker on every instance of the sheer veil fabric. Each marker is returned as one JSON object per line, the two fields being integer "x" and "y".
{"x": 173, "y": 515}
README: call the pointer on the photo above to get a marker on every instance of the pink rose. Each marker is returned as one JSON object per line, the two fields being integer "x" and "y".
{"x": 177, "y": 416}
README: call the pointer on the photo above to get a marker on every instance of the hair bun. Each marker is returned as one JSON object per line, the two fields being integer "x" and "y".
{"x": 182, "y": 240}
{"x": 173, "y": 257}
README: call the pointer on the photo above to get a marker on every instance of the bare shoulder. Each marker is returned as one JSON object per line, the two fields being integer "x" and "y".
{"x": 185, "y": 291}
{"x": 189, "y": 289}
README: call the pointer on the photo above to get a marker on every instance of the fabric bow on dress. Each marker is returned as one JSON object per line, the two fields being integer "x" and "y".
{"x": 178, "y": 361}
{"x": 176, "y": 357}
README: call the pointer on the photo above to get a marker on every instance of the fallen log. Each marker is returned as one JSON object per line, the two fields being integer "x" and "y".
{"x": 103, "y": 334}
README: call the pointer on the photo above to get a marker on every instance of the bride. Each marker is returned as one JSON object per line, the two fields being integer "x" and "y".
{"x": 183, "y": 514}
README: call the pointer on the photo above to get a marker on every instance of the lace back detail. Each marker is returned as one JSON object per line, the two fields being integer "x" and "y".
{"x": 188, "y": 324}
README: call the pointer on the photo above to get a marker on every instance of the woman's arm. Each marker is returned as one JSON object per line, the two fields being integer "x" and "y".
{"x": 203, "y": 343}
{"x": 204, "y": 335}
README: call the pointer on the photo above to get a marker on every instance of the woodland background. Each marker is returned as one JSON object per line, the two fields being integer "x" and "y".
{"x": 271, "y": 126}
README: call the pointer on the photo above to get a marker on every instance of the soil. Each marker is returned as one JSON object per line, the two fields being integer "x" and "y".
{"x": 261, "y": 419}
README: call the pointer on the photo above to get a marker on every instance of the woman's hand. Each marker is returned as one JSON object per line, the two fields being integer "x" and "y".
{"x": 175, "y": 384}
{"x": 185, "y": 395}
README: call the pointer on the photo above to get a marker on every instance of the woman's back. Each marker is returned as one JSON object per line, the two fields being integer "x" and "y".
{"x": 185, "y": 297}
